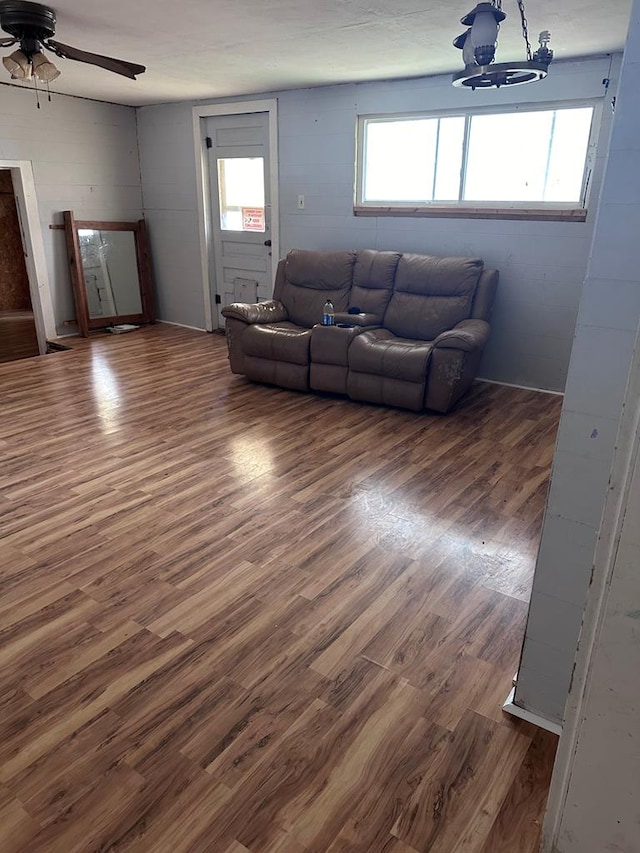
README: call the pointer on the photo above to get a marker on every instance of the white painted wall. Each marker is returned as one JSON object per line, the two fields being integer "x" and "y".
{"x": 601, "y": 809}
{"x": 593, "y": 803}
{"x": 542, "y": 265}
{"x": 85, "y": 158}
{"x": 608, "y": 318}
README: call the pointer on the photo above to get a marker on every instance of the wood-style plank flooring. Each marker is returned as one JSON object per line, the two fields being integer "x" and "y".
{"x": 238, "y": 619}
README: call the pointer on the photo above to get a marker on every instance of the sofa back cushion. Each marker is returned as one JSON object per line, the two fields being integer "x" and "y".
{"x": 373, "y": 276}
{"x": 310, "y": 278}
{"x": 431, "y": 295}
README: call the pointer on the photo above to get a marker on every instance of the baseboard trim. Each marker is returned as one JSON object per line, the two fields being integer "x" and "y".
{"x": 538, "y": 720}
{"x": 521, "y": 387}
{"x": 182, "y": 325}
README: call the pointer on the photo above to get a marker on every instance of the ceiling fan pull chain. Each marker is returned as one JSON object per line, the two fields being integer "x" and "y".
{"x": 35, "y": 84}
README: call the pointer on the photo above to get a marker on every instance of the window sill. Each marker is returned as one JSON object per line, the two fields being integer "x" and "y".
{"x": 446, "y": 212}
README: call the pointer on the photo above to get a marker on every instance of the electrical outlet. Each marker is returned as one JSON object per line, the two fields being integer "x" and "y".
{"x": 300, "y": 202}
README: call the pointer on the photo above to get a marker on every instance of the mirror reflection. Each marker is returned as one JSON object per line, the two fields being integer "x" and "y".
{"x": 110, "y": 270}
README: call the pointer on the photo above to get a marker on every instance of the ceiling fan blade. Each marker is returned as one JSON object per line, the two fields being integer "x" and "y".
{"x": 8, "y": 42}
{"x": 118, "y": 66}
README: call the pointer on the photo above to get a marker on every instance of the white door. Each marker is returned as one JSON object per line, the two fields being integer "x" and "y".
{"x": 239, "y": 170}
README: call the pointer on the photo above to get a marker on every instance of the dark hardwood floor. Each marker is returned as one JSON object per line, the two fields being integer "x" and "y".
{"x": 18, "y": 337}
{"x": 236, "y": 618}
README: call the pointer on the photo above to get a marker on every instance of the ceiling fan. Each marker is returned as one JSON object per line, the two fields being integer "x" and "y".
{"x": 32, "y": 27}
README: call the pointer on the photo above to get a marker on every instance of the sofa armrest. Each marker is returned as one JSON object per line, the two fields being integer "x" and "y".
{"x": 259, "y": 312}
{"x": 357, "y": 319}
{"x": 469, "y": 335}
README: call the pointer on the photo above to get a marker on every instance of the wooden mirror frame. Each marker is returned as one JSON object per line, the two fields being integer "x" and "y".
{"x": 86, "y": 323}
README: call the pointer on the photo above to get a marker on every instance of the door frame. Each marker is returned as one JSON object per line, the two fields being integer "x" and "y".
{"x": 24, "y": 189}
{"x": 200, "y": 114}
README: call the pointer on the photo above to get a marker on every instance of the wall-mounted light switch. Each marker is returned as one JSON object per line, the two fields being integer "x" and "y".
{"x": 300, "y": 202}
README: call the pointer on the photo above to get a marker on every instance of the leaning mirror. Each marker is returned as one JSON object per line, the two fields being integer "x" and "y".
{"x": 110, "y": 274}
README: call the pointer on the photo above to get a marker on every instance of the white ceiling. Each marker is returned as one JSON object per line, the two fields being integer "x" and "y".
{"x": 211, "y": 48}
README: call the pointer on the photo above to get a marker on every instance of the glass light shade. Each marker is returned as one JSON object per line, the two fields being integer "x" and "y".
{"x": 468, "y": 56}
{"x": 484, "y": 30}
{"x": 18, "y": 65}
{"x": 43, "y": 69}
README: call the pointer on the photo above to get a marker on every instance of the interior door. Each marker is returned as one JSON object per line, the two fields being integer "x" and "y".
{"x": 239, "y": 170}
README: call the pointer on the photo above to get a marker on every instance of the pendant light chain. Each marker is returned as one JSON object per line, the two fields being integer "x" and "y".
{"x": 525, "y": 29}
{"x": 498, "y": 6}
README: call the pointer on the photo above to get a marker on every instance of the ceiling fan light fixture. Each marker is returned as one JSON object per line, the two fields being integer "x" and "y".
{"x": 33, "y": 27}
{"x": 43, "y": 68}
{"x": 18, "y": 65}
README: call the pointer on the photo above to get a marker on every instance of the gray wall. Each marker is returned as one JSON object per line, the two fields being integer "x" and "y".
{"x": 167, "y": 164}
{"x": 85, "y": 158}
{"x": 542, "y": 264}
{"x": 608, "y": 318}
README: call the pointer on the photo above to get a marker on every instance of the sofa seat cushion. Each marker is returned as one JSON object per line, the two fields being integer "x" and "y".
{"x": 278, "y": 342}
{"x": 381, "y": 353}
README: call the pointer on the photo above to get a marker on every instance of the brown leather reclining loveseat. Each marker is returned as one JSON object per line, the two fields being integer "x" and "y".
{"x": 415, "y": 343}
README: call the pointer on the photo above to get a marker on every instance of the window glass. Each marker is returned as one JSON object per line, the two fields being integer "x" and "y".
{"x": 513, "y": 158}
{"x": 507, "y": 157}
{"x": 400, "y": 160}
{"x": 541, "y": 156}
{"x": 568, "y": 154}
{"x": 449, "y": 163}
{"x": 413, "y": 160}
{"x": 241, "y": 193}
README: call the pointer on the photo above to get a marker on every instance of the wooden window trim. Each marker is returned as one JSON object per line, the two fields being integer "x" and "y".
{"x": 467, "y": 212}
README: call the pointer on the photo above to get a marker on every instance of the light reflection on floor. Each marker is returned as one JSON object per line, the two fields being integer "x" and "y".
{"x": 106, "y": 393}
{"x": 251, "y": 456}
{"x": 393, "y": 522}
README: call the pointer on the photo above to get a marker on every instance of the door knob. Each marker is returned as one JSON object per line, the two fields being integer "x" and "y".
{"x": 267, "y": 242}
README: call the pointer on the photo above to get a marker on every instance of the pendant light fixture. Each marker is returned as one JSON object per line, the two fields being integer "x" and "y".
{"x": 478, "y": 45}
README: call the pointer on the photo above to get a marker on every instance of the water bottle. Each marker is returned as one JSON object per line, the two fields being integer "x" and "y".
{"x": 328, "y": 318}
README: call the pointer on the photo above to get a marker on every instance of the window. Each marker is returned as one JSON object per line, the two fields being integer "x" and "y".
{"x": 533, "y": 159}
{"x": 241, "y": 193}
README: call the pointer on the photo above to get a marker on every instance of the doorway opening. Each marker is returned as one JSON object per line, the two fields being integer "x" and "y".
{"x": 25, "y": 298}
{"x": 18, "y": 336}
